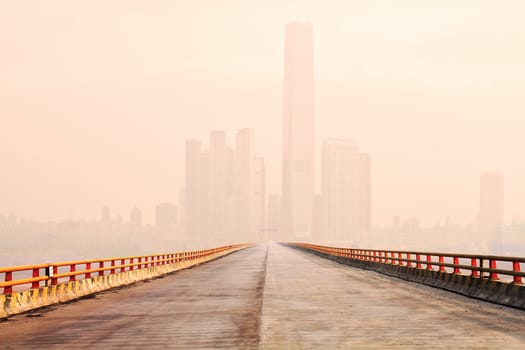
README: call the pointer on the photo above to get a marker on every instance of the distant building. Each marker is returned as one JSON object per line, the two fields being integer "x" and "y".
{"x": 218, "y": 184}
{"x": 225, "y": 190}
{"x": 298, "y": 132}
{"x": 105, "y": 215}
{"x": 345, "y": 191}
{"x": 196, "y": 201}
{"x": 244, "y": 184}
{"x": 273, "y": 217}
{"x": 135, "y": 217}
{"x": 259, "y": 198}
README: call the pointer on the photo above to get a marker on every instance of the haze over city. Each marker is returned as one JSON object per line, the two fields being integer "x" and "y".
{"x": 98, "y": 100}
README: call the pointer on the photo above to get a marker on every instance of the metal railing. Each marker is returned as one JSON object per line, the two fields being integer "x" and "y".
{"x": 481, "y": 266}
{"x": 54, "y": 273}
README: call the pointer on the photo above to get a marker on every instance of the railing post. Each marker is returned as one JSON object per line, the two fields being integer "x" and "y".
{"x": 122, "y": 262}
{"x": 101, "y": 266}
{"x": 140, "y": 262}
{"x": 36, "y": 284}
{"x": 8, "y": 278}
{"x": 400, "y": 259}
{"x": 429, "y": 262}
{"x": 493, "y": 275}
{"x": 88, "y": 274}
{"x": 516, "y": 268}
{"x": 473, "y": 263}
{"x": 72, "y": 268}
{"x": 456, "y": 263}
{"x": 418, "y": 263}
{"x": 409, "y": 263}
{"x": 131, "y": 261}
{"x": 54, "y": 281}
{"x": 112, "y": 271}
{"x": 441, "y": 261}
{"x": 392, "y": 258}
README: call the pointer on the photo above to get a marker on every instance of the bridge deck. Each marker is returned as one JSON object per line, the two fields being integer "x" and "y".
{"x": 270, "y": 297}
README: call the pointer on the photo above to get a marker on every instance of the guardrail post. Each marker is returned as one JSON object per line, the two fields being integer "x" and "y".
{"x": 392, "y": 258}
{"x": 101, "y": 266}
{"x": 122, "y": 262}
{"x": 441, "y": 261}
{"x": 493, "y": 275}
{"x": 88, "y": 274}
{"x": 418, "y": 261}
{"x": 54, "y": 281}
{"x": 72, "y": 268}
{"x": 516, "y": 268}
{"x": 112, "y": 271}
{"x": 456, "y": 263}
{"x": 409, "y": 257}
{"x": 8, "y": 278}
{"x": 140, "y": 263}
{"x": 400, "y": 259}
{"x": 473, "y": 263}
{"x": 36, "y": 284}
{"x": 429, "y": 262}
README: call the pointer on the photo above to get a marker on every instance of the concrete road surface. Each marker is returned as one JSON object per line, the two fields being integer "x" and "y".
{"x": 270, "y": 297}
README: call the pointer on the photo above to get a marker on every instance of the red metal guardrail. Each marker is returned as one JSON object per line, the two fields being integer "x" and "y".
{"x": 53, "y": 273}
{"x": 484, "y": 266}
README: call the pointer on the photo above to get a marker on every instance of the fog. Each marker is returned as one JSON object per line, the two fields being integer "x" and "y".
{"x": 411, "y": 106}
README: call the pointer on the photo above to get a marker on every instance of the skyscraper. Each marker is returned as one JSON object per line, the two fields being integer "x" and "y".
{"x": 345, "y": 191}
{"x": 244, "y": 183}
{"x": 259, "y": 198}
{"x": 491, "y": 206}
{"x": 135, "y": 217}
{"x": 196, "y": 199}
{"x": 298, "y": 132}
{"x": 218, "y": 184}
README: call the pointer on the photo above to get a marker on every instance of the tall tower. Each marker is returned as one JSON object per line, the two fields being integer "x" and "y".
{"x": 298, "y": 132}
{"x": 345, "y": 192}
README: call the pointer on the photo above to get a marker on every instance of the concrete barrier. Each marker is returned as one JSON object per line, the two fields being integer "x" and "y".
{"x": 508, "y": 294}
{"x": 31, "y": 299}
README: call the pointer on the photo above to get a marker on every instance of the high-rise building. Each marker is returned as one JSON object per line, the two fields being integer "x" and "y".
{"x": 259, "y": 199}
{"x": 244, "y": 183}
{"x": 135, "y": 218}
{"x": 218, "y": 185}
{"x": 491, "y": 205}
{"x": 273, "y": 217}
{"x": 105, "y": 216}
{"x": 196, "y": 193}
{"x": 225, "y": 191}
{"x": 345, "y": 192}
{"x": 298, "y": 132}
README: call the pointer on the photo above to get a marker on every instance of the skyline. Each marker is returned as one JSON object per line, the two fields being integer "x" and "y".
{"x": 136, "y": 159}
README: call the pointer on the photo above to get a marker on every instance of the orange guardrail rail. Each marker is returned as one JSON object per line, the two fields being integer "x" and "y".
{"x": 485, "y": 266}
{"x": 54, "y": 273}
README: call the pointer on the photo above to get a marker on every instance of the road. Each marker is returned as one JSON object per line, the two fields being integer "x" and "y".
{"x": 270, "y": 297}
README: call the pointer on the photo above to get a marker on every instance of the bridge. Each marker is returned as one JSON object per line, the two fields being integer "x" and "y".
{"x": 267, "y": 296}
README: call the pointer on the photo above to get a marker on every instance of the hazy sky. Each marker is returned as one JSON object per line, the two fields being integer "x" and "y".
{"x": 98, "y": 97}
